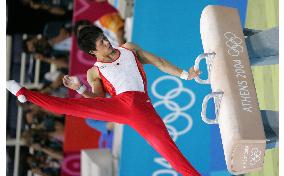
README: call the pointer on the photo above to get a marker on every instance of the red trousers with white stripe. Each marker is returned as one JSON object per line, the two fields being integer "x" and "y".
{"x": 131, "y": 108}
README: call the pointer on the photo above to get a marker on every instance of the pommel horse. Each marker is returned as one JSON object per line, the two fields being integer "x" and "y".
{"x": 233, "y": 91}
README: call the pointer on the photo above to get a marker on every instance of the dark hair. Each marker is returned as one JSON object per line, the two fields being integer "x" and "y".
{"x": 52, "y": 29}
{"x": 79, "y": 24}
{"x": 25, "y": 45}
{"x": 87, "y": 38}
{"x": 41, "y": 46}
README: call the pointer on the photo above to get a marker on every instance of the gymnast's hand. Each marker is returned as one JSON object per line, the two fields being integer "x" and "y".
{"x": 71, "y": 82}
{"x": 193, "y": 73}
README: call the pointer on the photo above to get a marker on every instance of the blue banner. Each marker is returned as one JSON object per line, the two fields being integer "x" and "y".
{"x": 170, "y": 29}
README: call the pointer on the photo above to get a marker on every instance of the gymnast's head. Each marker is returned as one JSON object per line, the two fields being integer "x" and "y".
{"x": 92, "y": 40}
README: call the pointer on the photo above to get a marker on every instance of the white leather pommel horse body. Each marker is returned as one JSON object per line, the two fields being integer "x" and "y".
{"x": 229, "y": 73}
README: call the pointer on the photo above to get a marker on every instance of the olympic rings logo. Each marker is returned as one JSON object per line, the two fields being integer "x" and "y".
{"x": 255, "y": 156}
{"x": 177, "y": 110}
{"x": 234, "y": 44}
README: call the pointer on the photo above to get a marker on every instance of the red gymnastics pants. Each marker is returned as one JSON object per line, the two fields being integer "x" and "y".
{"x": 132, "y": 108}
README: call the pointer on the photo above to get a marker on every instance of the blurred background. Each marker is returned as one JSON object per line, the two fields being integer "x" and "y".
{"x": 41, "y": 48}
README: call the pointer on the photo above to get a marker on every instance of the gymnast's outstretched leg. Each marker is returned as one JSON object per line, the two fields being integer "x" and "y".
{"x": 156, "y": 134}
{"x": 105, "y": 109}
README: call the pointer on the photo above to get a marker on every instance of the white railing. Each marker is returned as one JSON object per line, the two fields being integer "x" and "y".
{"x": 17, "y": 142}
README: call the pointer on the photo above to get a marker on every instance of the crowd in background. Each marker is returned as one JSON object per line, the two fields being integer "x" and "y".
{"x": 43, "y": 131}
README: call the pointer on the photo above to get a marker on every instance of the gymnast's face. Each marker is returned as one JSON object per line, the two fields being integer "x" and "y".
{"x": 103, "y": 46}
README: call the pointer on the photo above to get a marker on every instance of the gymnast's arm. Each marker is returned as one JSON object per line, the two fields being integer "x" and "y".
{"x": 95, "y": 82}
{"x": 72, "y": 82}
{"x": 147, "y": 58}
